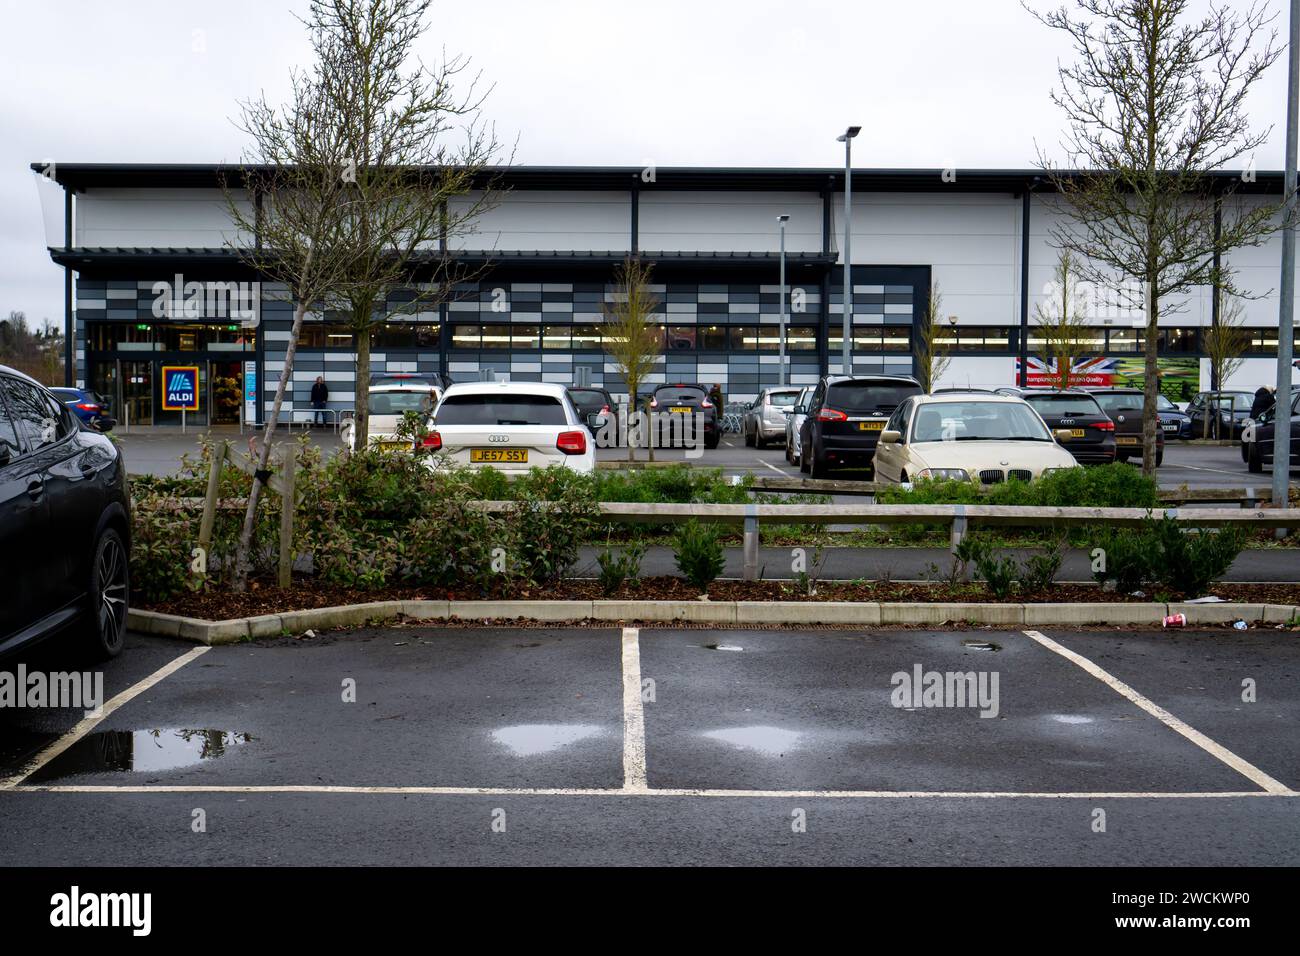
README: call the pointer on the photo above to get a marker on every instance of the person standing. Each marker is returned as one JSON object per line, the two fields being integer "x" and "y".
{"x": 320, "y": 394}
{"x": 1262, "y": 403}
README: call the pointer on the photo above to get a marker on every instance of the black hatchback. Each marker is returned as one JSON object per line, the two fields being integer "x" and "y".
{"x": 1092, "y": 433}
{"x": 64, "y": 525}
{"x": 688, "y": 400}
{"x": 845, "y": 417}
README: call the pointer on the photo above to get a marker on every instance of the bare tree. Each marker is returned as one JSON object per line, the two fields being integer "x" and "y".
{"x": 631, "y": 334}
{"x": 295, "y": 173}
{"x": 1062, "y": 321}
{"x": 1225, "y": 346}
{"x": 932, "y": 358}
{"x": 398, "y": 119}
{"x": 1154, "y": 103}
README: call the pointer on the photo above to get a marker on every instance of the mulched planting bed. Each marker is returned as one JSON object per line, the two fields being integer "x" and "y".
{"x": 264, "y": 598}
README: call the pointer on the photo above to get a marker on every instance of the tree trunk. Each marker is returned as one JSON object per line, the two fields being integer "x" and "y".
{"x": 243, "y": 554}
{"x": 361, "y": 417}
{"x": 632, "y": 417}
{"x": 1151, "y": 385}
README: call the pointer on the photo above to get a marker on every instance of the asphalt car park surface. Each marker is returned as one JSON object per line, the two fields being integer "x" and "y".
{"x": 158, "y": 452}
{"x": 669, "y": 745}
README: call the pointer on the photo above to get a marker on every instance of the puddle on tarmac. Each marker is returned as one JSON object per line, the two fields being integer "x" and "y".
{"x": 1071, "y": 719}
{"x": 529, "y": 740}
{"x": 722, "y": 647}
{"x": 140, "y": 751}
{"x": 981, "y": 645}
{"x": 768, "y": 741}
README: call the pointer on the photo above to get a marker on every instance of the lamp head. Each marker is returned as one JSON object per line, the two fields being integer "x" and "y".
{"x": 848, "y": 134}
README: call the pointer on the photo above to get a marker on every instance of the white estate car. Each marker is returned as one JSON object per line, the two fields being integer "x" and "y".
{"x": 389, "y": 400}
{"x": 511, "y": 426}
{"x": 967, "y": 437}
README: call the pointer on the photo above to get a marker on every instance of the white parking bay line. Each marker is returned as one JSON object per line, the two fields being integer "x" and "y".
{"x": 763, "y": 461}
{"x": 88, "y": 724}
{"x": 634, "y": 779}
{"x": 1242, "y": 766}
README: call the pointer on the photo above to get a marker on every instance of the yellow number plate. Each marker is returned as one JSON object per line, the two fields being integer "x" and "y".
{"x": 1076, "y": 432}
{"x": 499, "y": 455}
{"x": 680, "y": 410}
{"x": 871, "y": 426}
{"x": 1127, "y": 441}
{"x": 393, "y": 445}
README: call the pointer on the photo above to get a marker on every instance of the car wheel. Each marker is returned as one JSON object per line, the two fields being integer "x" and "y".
{"x": 1160, "y": 457}
{"x": 711, "y": 443}
{"x": 805, "y": 464}
{"x": 1245, "y": 452}
{"x": 749, "y": 439}
{"x": 1121, "y": 456}
{"x": 816, "y": 468}
{"x": 109, "y": 587}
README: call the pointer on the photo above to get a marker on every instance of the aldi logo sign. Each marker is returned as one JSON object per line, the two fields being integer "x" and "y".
{"x": 180, "y": 388}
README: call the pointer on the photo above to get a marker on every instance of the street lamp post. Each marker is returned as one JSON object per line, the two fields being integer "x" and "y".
{"x": 1286, "y": 298}
{"x": 782, "y": 220}
{"x": 846, "y": 138}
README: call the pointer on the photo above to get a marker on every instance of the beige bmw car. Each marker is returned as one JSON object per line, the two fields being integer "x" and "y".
{"x": 970, "y": 436}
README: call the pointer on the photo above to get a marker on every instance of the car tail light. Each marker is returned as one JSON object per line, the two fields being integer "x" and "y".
{"x": 88, "y": 406}
{"x": 654, "y": 403}
{"x": 831, "y": 415}
{"x": 1104, "y": 426}
{"x": 432, "y": 441}
{"x": 604, "y": 410}
{"x": 706, "y": 404}
{"x": 572, "y": 443}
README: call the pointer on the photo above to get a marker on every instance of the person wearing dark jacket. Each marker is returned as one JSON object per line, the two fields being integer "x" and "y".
{"x": 320, "y": 394}
{"x": 1263, "y": 402}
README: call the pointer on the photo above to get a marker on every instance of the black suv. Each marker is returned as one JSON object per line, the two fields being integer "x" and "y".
{"x": 64, "y": 524}
{"x": 845, "y": 417}
{"x": 1092, "y": 433}
{"x": 688, "y": 400}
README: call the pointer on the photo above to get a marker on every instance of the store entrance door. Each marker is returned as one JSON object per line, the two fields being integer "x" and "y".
{"x": 137, "y": 393}
{"x": 225, "y": 391}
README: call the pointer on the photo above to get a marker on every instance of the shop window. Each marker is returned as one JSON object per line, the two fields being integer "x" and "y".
{"x": 466, "y": 336}
{"x": 586, "y": 338}
{"x": 556, "y": 337}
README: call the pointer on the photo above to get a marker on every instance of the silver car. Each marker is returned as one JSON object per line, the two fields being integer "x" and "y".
{"x": 765, "y": 419}
{"x": 793, "y": 447}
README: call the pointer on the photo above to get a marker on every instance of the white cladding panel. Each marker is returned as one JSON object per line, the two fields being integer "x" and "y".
{"x": 729, "y": 221}
{"x": 142, "y": 218}
{"x": 970, "y": 241}
{"x": 549, "y": 220}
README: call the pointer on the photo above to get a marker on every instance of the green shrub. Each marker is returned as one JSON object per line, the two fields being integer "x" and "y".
{"x": 697, "y": 549}
{"x": 1039, "y": 571}
{"x": 1161, "y": 554}
{"x": 618, "y": 569}
{"x": 1191, "y": 562}
{"x": 1103, "y": 486}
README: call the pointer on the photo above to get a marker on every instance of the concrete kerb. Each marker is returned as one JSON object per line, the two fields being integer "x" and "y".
{"x": 867, "y": 614}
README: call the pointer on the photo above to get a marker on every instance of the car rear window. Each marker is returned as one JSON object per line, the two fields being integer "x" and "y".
{"x": 679, "y": 394}
{"x": 868, "y": 396}
{"x": 1064, "y": 404}
{"x": 489, "y": 409}
{"x": 395, "y": 403}
{"x": 1119, "y": 403}
{"x": 784, "y": 399}
{"x": 587, "y": 398}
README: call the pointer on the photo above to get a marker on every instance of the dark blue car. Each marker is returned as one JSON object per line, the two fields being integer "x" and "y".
{"x": 1174, "y": 422}
{"x": 89, "y": 406}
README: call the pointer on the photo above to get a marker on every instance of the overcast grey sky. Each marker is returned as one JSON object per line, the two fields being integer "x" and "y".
{"x": 934, "y": 83}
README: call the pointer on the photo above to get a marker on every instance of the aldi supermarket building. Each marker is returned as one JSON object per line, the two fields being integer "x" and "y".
{"x": 134, "y": 238}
